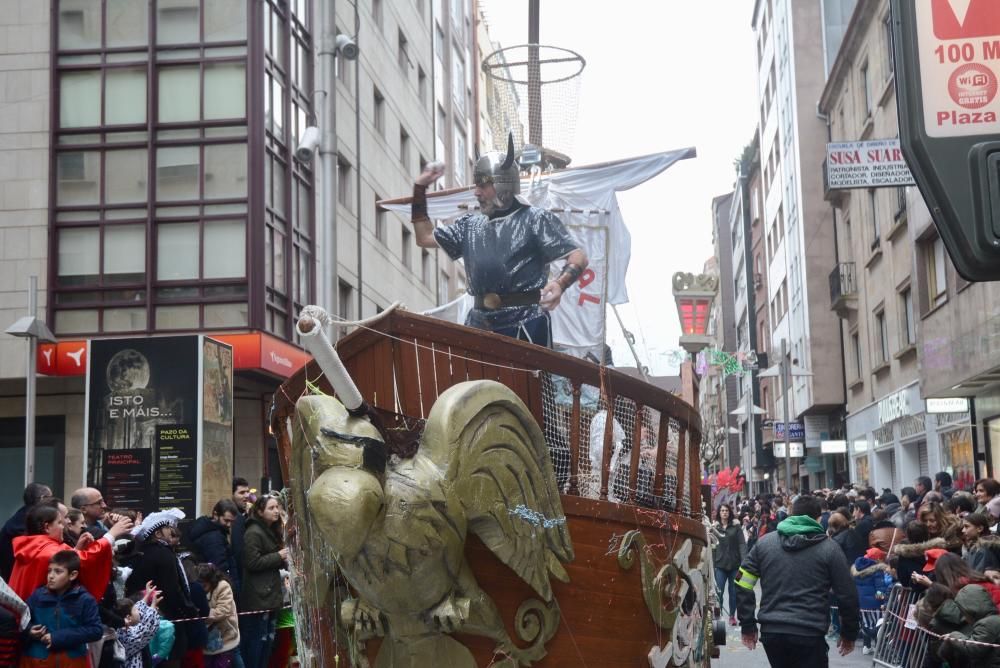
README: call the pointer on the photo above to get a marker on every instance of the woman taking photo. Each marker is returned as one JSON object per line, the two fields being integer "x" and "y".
{"x": 261, "y": 594}
{"x": 44, "y": 537}
{"x": 727, "y": 556}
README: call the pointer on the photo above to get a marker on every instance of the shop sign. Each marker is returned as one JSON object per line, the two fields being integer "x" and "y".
{"x": 866, "y": 164}
{"x": 833, "y": 447}
{"x": 796, "y": 430}
{"x": 861, "y": 445}
{"x": 797, "y": 449}
{"x": 894, "y": 406}
{"x": 947, "y": 405}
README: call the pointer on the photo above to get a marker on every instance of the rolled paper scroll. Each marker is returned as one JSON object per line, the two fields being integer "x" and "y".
{"x": 310, "y": 329}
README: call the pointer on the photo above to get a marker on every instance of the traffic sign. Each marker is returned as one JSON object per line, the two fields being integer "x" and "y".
{"x": 947, "y": 67}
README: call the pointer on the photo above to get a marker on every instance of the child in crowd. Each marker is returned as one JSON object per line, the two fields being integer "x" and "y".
{"x": 223, "y": 624}
{"x": 64, "y": 618}
{"x": 142, "y": 620}
{"x": 981, "y": 550}
{"x": 873, "y": 578}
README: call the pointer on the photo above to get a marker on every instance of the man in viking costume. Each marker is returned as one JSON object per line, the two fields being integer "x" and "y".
{"x": 507, "y": 246}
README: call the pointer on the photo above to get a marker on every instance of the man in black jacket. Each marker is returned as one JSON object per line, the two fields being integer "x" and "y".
{"x": 797, "y": 565}
{"x": 14, "y": 527}
{"x": 209, "y": 538}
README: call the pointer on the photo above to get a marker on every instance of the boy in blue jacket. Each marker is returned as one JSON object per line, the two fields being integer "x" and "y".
{"x": 64, "y": 618}
{"x": 874, "y": 580}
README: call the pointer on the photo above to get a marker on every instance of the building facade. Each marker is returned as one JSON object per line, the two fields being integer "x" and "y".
{"x": 878, "y": 286}
{"x": 797, "y": 224}
{"x": 149, "y": 181}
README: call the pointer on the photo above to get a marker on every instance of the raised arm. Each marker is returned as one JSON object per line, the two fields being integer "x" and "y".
{"x": 423, "y": 227}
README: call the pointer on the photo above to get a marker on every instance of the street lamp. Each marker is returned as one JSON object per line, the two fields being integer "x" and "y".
{"x": 694, "y": 295}
{"x": 32, "y": 329}
{"x": 785, "y": 372}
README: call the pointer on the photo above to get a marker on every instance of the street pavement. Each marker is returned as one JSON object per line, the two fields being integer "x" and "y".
{"x": 735, "y": 655}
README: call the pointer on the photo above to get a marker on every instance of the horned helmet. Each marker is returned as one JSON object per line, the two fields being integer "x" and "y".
{"x": 502, "y": 172}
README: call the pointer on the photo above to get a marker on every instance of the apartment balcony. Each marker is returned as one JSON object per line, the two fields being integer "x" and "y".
{"x": 843, "y": 289}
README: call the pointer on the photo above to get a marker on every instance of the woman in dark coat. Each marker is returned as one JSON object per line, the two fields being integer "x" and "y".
{"x": 263, "y": 558}
{"x": 727, "y": 555}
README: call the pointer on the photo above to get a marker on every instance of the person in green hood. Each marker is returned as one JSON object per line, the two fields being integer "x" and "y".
{"x": 973, "y": 605}
{"x": 797, "y": 567}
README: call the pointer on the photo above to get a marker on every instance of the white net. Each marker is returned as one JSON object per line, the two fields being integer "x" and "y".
{"x": 557, "y": 397}
{"x": 532, "y": 91}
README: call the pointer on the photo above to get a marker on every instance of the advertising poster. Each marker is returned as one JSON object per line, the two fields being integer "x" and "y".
{"x": 134, "y": 387}
{"x": 177, "y": 468}
{"x": 126, "y": 479}
{"x": 217, "y": 423}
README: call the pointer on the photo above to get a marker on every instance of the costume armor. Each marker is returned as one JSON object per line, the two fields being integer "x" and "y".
{"x": 502, "y": 172}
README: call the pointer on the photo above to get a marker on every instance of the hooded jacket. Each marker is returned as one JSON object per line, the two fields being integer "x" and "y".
{"x": 71, "y": 618}
{"x": 31, "y": 564}
{"x": 262, "y": 589}
{"x": 873, "y": 580}
{"x": 974, "y": 605}
{"x": 13, "y": 528}
{"x": 984, "y": 554}
{"x": 797, "y": 565}
{"x": 210, "y": 540}
{"x": 908, "y": 558}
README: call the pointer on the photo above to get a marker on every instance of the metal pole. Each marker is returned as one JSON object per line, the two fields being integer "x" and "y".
{"x": 785, "y": 388}
{"x": 534, "y": 77}
{"x": 631, "y": 346}
{"x": 30, "y": 381}
{"x": 324, "y": 106}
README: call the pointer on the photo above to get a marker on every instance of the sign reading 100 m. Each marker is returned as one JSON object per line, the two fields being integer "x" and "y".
{"x": 959, "y": 43}
{"x": 947, "y": 67}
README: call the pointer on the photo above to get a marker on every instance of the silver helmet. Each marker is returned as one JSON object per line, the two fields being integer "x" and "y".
{"x": 502, "y": 172}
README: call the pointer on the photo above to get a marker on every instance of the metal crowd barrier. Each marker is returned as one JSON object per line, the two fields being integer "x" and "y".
{"x": 899, "y": 643}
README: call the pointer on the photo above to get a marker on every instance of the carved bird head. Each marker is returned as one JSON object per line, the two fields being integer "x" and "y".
{"x": 348, "y": 458}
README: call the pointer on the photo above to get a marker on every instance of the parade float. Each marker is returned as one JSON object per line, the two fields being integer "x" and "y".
{"x": 462, "y": 521}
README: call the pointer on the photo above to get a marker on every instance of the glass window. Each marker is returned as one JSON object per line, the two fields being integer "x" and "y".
{"x": 225, "y": 249}
{"x": 177, "y": 21}
{"x": 177, "y": 173}
{"x": 124, "y": 319}
{"x": 80, "y": 24}
{"x": 937, "y": 282}
{"x": 226, "y": 315}
{"x": 225, "y": 171}
{"x": 71, "y": 322}
{"x": 125, "y": 96}
{"x": 125, "y": 176}
{"x": 278, "y": 249}
{"x": 127, "y": 23}
{"x": 179, "y": 94}
{"x": 458, "y": 80}
{"x": 406, "y": 250}
{"x": 225, "y": 90}
{"x": 177, "y": 317}
{"x": 80, "y": 99}
{"x": 79, "y": 256}
{"x": 883, "y": 336}
{"x": 911, "y": 331}
{"x": 279, "y": 184}
{"x": 278, "y": 107}
{"x": 78, "y": 178}
{"x": 225, "y": 20}
{"x": 177, "y": 252}
{"x": 124, "y": 253}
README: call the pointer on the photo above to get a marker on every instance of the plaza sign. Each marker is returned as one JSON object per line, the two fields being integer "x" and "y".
{"x": 866, "y": 164}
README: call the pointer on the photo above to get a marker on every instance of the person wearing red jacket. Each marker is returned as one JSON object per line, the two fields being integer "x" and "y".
{"x": 43, "y": 539}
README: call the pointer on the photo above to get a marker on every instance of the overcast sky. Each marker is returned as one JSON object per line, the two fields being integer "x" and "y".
{"x": 660, "y": 75}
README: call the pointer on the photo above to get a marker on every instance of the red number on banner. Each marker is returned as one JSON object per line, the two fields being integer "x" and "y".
{"x": 587, "y": 277}
{"x": 584, "y": 297}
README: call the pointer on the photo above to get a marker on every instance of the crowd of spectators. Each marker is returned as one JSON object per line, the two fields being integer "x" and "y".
{"x": 942, "y": 543}
{"x": 96, "y": 587}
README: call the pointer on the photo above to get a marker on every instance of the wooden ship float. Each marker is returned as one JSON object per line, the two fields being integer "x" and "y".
{"x": 638, "y": 589}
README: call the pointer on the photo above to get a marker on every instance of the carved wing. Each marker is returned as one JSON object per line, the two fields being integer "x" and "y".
{"x": 495, "y": 457}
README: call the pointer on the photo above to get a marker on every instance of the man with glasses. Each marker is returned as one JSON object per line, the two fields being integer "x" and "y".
{"x": 90, "y": 502}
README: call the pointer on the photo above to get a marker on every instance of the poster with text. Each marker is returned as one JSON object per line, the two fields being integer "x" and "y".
{"x": 135, "y": 387}
{"x": 177, "y": 468}
{"x": 125, "y": 483}
{"x": 217, "y": 423}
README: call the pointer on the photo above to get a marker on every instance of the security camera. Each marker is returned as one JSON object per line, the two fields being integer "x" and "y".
{"x": 346, "y": 47}
{"x": 307, "y": 145}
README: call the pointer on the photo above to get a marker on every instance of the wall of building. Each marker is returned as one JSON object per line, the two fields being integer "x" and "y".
{"x": 24, "y": 167}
